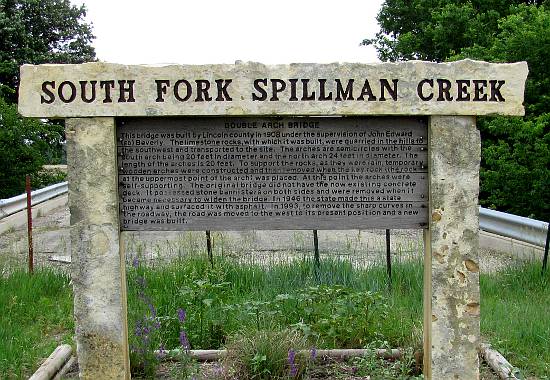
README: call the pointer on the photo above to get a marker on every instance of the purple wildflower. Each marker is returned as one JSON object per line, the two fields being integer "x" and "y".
{"x": 184, "y": 342}
{"x": 313, "y": 353}
{"x": 138, "y": 328}
{"x": 162, "y": 351}
{"x": 152, "y": 310}
{"x": 135, "y": 262}
{"x": 291, "y": 362}
{"x": 181, "y": 315}
{"x": 141, "y": 282}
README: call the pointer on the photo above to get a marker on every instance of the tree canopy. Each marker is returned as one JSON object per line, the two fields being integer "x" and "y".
{"x": 434, "y": 30}
{"x": 26, "y": 144}
{"x": 515, "y": 174}
{"x": 34, "y": 31}
{"x": 40, "y": 31}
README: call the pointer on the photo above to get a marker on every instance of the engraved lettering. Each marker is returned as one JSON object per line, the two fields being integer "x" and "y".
{"x": 83, "y": 84}
{"x": 222, "y": 85}
{"x": 444, "y": 90}
{"x": 420, "y": 89}
{"x": 262, "y": 92}
{"x": 61, "y": 92}
{"x": 203, "y": 86}
{"x": 47, "y": 88}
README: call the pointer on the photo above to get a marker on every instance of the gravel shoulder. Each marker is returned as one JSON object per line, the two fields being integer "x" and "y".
{"x": 363, "y": 248}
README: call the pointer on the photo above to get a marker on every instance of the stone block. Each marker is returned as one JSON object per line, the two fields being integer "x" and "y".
{"x": 97, "y": 267}
{"x": 404, "y": 88}
{"x": 452, "y": 301}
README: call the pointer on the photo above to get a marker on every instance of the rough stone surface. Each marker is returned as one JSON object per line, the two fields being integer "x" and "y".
{"x": 454, "y": 233}
{"x": 34, "y": 101}
{"x": 97, "y": 273}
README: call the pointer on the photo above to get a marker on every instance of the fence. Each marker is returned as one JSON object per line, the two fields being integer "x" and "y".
{"x": 516, "y": 227}
{"x": 18, "y": 203}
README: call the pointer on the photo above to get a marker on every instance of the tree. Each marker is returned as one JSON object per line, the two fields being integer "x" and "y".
{"x": 26, "y": 145}
{"x": 515, "y": 174}
{"x": 34, "y": 31}
{"x": 434, "y": 30}
{"x": 523, "y": 35}
{"x": 40, "y": 31}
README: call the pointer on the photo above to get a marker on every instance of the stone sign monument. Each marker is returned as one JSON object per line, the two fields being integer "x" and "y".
{"x": 250, "y": 146}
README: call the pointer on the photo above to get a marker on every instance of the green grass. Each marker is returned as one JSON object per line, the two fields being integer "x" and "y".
{"x": 243, "y": 297}
{"x": 35, "y": 317}
{"x": 515, "y": 316}
{"x": 36, "y": 311}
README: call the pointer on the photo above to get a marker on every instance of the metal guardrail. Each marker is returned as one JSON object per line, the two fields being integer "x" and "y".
{"x": 18, "y": 203}
{"x": 516, "y": 227}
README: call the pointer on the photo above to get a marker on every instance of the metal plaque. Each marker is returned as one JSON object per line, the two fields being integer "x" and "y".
{"x": 267, "y": 173}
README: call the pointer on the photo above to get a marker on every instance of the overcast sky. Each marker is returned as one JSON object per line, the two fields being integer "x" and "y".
{"x": 223, "y": 31}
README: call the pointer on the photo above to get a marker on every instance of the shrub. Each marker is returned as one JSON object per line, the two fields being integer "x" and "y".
{"x": 515, "y": 166}
{"x": 26, "y": 145}
{"x": 266, "y": 355}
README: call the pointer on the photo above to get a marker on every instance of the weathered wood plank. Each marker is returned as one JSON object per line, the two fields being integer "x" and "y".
{"x": 272, "y": 173}
{"x": 53, "y": 363}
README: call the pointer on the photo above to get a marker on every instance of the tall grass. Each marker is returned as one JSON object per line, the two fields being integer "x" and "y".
{"x": 35, "y": 316}
{"x": 36, "y": 311}
{"x": 242, "y": 296}
{"x": 515, "y": 316}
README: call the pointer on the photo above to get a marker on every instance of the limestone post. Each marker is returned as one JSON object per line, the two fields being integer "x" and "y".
{"x": 97, "y": 266}
{"x": 451, "y": 296}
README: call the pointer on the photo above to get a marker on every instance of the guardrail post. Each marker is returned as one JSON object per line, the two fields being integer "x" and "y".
{"x": 545, "y": 258}
{"x": 317, "y": 259}
{"x": 209, "y": 248}
{"x": 29, "y": 222}
{"x": 388, "y": 255}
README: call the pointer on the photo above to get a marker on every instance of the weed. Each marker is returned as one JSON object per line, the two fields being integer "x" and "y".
{"x": 203, "y": 295}
{"x": 186, "y": 366}
{"x": 381, "y": 369}
{"x": 143, "y": 359}
{"x": 323, "y": 309}
{"x": 514, "y": 324}
{"x": 266, "y": 354}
